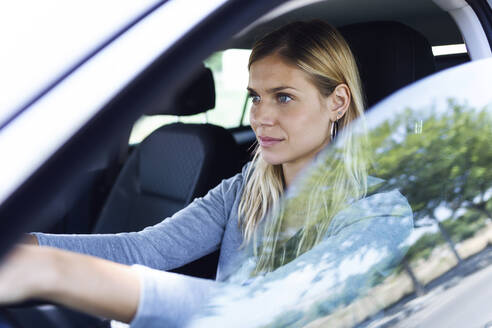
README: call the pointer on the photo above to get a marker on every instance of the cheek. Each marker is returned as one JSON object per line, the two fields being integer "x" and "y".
{"x": 252, "y": 121}
{"x": 310, "y": 125}
{"x": 309, "y": 134}
{"x": 312, "y": 135}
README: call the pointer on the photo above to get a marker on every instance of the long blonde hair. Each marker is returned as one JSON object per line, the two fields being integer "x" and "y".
{"x": 319, "y": 50}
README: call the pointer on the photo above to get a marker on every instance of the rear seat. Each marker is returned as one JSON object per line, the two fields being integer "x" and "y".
{"x": 390, "y": 55}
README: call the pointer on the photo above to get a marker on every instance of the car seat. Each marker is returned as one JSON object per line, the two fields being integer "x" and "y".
{"x": 389, "y": 55}
{"x": 173, "y": 165}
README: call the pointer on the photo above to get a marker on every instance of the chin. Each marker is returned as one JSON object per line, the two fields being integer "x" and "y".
{"x": 272, "y": 160}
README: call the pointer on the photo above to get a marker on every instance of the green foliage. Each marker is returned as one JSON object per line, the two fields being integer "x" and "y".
{"x": 459, "y": 229}
{"x": 376, "y": 279}
{"x": 465, "y": 226}
{"x": 423, "y": 246}
{"x": 446, "y": 164}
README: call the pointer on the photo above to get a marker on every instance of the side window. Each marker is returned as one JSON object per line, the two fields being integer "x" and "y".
{"x": 446, "y": 56}
{"x": 230, "y": 70}
{"x": 414, "y": 249}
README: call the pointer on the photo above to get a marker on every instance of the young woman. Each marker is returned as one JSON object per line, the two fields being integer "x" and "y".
{"x": 304, "y": 86}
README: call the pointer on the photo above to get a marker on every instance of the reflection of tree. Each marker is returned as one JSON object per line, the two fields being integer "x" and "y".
{"x": 459, "y": 229}
{"x": 444, "y": 165}
{"x": 438, "y": 159}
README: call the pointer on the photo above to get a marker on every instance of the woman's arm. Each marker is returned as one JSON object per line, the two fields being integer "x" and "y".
{"x": 191, "y": 233}
{"x": 138, "y": 295}
{"x": 82, "y": 282}
{"x": 30, "y": 239}
{"x": 151, "y": 298}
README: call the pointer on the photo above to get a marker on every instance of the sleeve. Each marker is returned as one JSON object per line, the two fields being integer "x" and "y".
{"x": 332, "y": 274}
{"x": 169, "y": 299}
{"x": 189, "y": 234}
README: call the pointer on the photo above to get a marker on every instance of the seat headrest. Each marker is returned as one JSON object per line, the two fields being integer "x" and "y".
{"x": 197, "y": 96}
{"x": 390, "y": 55}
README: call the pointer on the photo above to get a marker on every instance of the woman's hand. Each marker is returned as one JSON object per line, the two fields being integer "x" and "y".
{"x": 26, "y": 272}
{"x": 82, "y": 282}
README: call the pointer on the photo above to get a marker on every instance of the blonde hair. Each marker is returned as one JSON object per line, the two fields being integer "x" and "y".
{"x": 319, "y": 50}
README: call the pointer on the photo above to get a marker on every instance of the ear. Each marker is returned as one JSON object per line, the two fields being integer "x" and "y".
{"x": 339, "y": 101}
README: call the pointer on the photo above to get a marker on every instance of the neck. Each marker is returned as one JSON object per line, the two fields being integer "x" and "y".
{"x": 291, "y": 170}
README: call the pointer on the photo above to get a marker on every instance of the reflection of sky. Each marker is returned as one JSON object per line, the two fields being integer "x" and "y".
{"x": 417, "y": 233}
{"x": 470, "y": 82}
{"x": 296, "y": 291}
{"x": 486, "y": 196}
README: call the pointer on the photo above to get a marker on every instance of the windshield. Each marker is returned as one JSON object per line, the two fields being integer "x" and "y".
{"x": 42, "y": 40}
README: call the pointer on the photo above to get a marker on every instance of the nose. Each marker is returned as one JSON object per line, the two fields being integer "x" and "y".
{"x": 262, "y": 115}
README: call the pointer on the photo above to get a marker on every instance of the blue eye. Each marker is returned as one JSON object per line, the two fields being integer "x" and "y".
{"x": 283, "y": 99}
{"x": 255, "y": 99}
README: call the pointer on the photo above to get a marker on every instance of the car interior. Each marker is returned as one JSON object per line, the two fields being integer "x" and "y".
{"x": 179, "y": 162}
{"x": 130, "y": 187}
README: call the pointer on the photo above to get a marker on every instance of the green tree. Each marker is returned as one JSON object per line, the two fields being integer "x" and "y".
{"x": 437, "y": 159}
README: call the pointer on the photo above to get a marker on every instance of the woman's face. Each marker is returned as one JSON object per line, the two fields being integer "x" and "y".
{"x": 289, "y": 116}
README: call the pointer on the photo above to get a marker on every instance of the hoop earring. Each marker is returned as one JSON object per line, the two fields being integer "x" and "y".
{"x": 334, "y": 127}
{"x": 334, "y": 130}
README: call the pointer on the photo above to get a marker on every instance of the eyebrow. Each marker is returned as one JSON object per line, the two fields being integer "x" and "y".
{"x": 273, "y": 90}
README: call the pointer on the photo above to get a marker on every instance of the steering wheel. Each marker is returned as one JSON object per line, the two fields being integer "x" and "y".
{"x": 39, "y": 314}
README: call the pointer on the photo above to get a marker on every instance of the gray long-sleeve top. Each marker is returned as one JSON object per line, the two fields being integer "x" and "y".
{"x": 171, "y": 300}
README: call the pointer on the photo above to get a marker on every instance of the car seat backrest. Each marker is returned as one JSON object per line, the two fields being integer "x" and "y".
{"x": 172, "y": 166}
{"x": 390, "y": 55}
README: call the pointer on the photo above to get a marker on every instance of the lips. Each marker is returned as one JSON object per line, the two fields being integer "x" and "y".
{"x": 268, "y": 141}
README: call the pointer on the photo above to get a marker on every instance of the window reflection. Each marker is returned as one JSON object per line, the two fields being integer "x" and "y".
{"x": 444, "y": 173}
{"x": 425, "y": 218}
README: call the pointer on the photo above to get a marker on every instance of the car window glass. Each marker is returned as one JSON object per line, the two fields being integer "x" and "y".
{"x": 230, "y": 71}
{"x": 413, "y": 249}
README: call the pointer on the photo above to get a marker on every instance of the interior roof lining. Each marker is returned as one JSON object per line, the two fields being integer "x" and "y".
{"x": 422, "y": 15}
